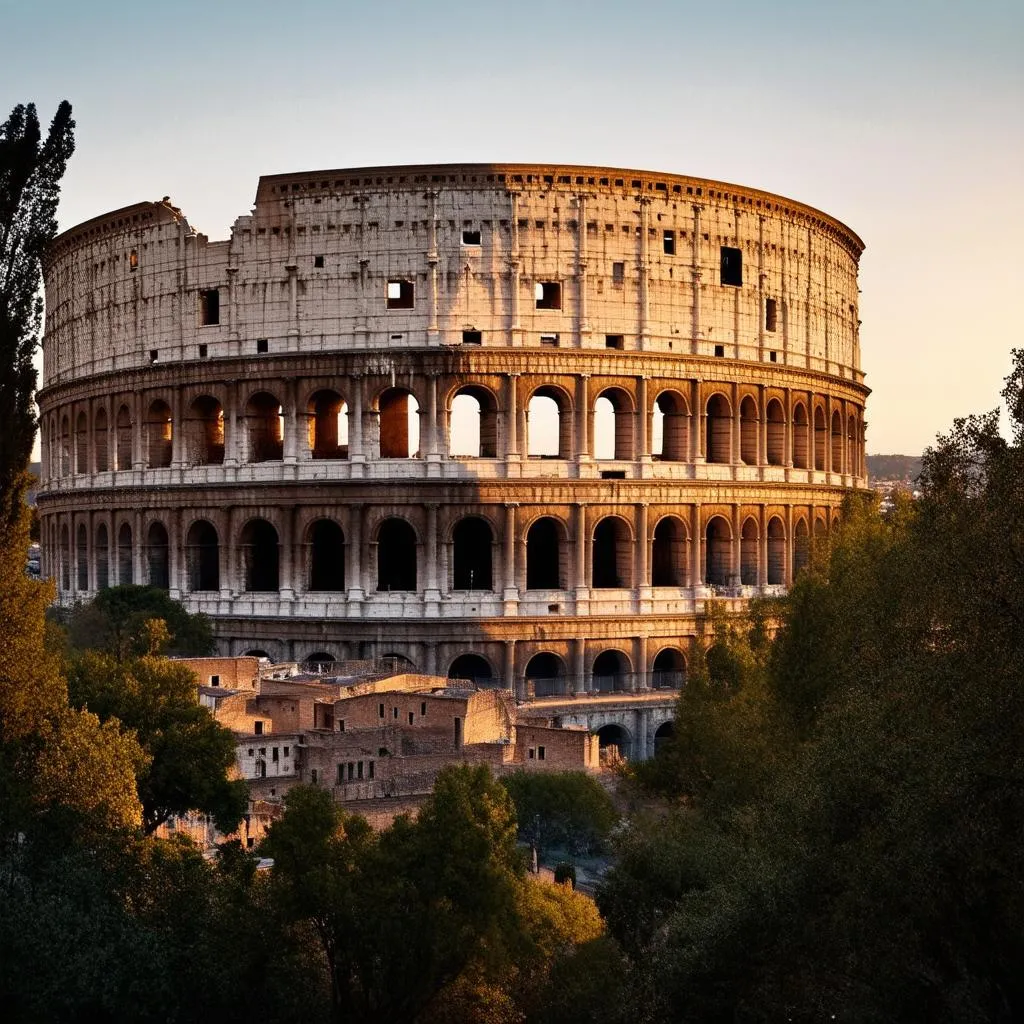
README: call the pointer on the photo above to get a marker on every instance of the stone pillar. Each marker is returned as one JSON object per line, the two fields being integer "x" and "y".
{"x": 579, "y": 681}
{"x": 582, "y": 324}
{"x": 643, "y": 258}
{"x": 643, "y": 413}
{"x": 642, "y": 569}
{"x": 695, "y": 276}
{"x": 356, "y": 450}
{"x": 582, "y": 418}
{"x": 737, "y": 547}
{"x": 698, "y": 415}
{"x": 762, "y": 546}
{"x": 510, "y": 669}
{"x": 698, "y": 545}
{"x": 641, "y": 724}
{"x": 790, "y": 546}
{"x": 433, "y": 328}
{"x": 582, "y": 583}
{"x": 509, "y": 569}
{"x": 787, "y": 459}
{"x": 138, "y": 431}
{"x": 140, "y": 571}
{"x": 286, "y": 589}
{"x": 511, "y": 416}
{"x": 354, "y": 568}
{"x": 432, "y": 594}
{"x": 515, "y": 334}
{"x": 232, "y": 432}
{"x": 291, "y": 422}
{"x": 737, "y": 448}
{"x": 640, "y": 677}
{"x": 225, "y": 553}
{"x": 177, "y": 430}
{"x": 434, "y": 433}
{"x": 176, "y": 583}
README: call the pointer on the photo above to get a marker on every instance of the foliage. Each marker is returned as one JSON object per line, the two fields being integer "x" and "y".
{"x": 565, "y": 872}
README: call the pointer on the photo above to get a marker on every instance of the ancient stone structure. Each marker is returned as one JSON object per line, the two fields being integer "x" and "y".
{"x": 508, "y": 422}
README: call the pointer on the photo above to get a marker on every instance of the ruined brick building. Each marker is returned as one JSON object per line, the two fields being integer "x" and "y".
{"x": 507, "y": 423}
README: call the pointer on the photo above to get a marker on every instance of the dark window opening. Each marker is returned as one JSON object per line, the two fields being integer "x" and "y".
{"x": 258, "y": 730}
{"x": 158, "y": 556}
{"x": 471, "y": 337}
{"x": 380, "y": 710}
{"x": 549, "y": 340}
{"x": 544, "y": 556}
{"x": 773, "y": 357}
{"x": 613, "y": 474}
{"x": 540, "y": 753}
{"x": 668, "y": 554}
{"x": 612, "y": 553}
{"x": 771, "y": 314}
{"x": 613, "y": 341}
{"x": 202, "y": 557}
{"x": 133, "y": 260}
{"x": 209, "y": 307}
{"x": 318, "y": 262}
{"x": 719, "y": 351}
{"x": 548, "y": 295}
{"x": 396, "y": 556}
{"x": 472, "y": 540}
{"x": 470, "y": 237}
{"x": 154, "y": 355}
{"x": 260, "y": 556}
{"x": 400, "y": 294}
{"x": 618, "y": 273}
{"x": 718, "y": 567}
{"x": 204, "y": 432}
{"x": 326, "y": 556}
{"x": 203, "y": 350}
{"x": 262, "y": 346}
{"x": 265, "y": 423}
{"x": 668, "y": 242}
{"x": 412, "y": 717}
{"x": 732, "y": 266}
{"x": 609, "y": 672}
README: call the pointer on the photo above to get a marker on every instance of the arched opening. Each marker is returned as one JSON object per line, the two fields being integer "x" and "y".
{"x": 670, "y": 432}
{"x": 662, "y": 735}
{"x": 125, "y": 571}
{"x": 260, "y": 554}
{"x": 473, "y": 668}
{"x": 399, "y": 424}
{"x": 748, "y": 553}
{"x": 610, "y": 672}
{"x": 546, "y": 675}
{"x": 545, "y": 552}
{"x": 819, "y": 438}
{"x": 123, "y": 432}
{"x": 159, "y": 429}
{"x": 327, "y": 414}
{"x": 776, "y": 552}
{"x": 65, "y": 558}
{"x": 158, "y": 556}
{"x": 719, "y": 551}
{"x": 669, "y": 670}
{"x": 326, "y": 556}
{"x": 719, "y": 429}
{"x": 320, "y": 663}
{"x": 396, "y": 556}
{"x": 257, "y": 653}
{"x": 82, "y": 443}
{"x": 837, "y": 443}
{"x": 264, "y": 428}
{"x": 612, "y": 554}
{"x": 748, "y": 431}
{"x": 100, "y": 440}
{"x": 853, "y": 465}
{"x": 776, "y": 452}
{"x": 549, "y": 424}
{"x": 65, "y": 446}
{"x": 800, "y": 436}
{"x": 82, "y": 556}
{"x": 202, "y": 555}
{"x": 204, "y": 432}
{"x": 613, "y": 741}
{"x": 613, "y": 425}
{"x": 471, "y": 554}
{"x": 801, "y": 547}
{"x": 398, "y": 662}
{"x": 473, "y": 424}
{"x": 668, "y": 554}
{"x": 102, "y": 557}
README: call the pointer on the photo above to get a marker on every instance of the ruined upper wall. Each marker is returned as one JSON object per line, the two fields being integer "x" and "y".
{"x": 635, "y": 257}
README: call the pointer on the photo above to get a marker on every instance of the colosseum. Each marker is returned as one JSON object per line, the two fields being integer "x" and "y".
{"x": 520, "y": 424}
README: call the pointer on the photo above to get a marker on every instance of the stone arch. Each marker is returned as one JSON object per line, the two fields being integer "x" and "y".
{"x": 776, "y": 433}
{"x": 320, "y": 663}
{"x": 396, "y": 555}
{"x": 123, "y": 438}
{"x": 669, "y": 669}
{"x": 325, "y": 544}
{"x": 750, "y": 539}
{"x": 610, "y": 671}
{"x": 546, "y": 555}
{"x": 102, "y": 557}
{"x": 125, "y": 557}
{"x": 801, "y": 546}
{"x": 159, "y": 431}
{"x": 612, "y": 554}
{"x": 100, "y": 440}
{"x": 718, "y": 549}
{"x": 613, "y": 425}
{"x": 202, "y": 556}
{"x": 474, "y": 668}
{"x": 719, "y": 429}
{"x": 472, "y": 552}
{"x": 327, "y": 417}
{"x": 546, "y": 675}
{"x": 204, "y": 432}
{"x": 264, "y": 428}
{"x": 82, "y": 557}
{"x": 748, "y": 432}
{"x": 669, "y": 555}
{"x": 670, "y": 430}
{"x": 397, "y": 410}
{"x": 819, "y": 439}
{"x": 837, "y": 442}
{"x": 260, "y": 554}
{"x": 473, "y": 423}
{"x": 399, "y": 662}
{"x": 800, "y": 454}
{"x": 614, "y": 738}
{"x": 82, "y": 443}
{"x": 776, "y": 551}
{"x": 662, "y": 735}
{"x": 549, "y": 423}
{"x": 158, "y": 550}
{"x": 256, "y": 652}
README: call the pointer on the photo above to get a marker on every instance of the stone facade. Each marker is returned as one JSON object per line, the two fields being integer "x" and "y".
{"x": 517, "y": 423}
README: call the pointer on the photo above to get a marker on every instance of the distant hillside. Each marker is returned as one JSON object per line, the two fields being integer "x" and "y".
{"x": 894, "y": 467}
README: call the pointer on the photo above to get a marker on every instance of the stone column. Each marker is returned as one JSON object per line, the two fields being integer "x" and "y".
{"x": 737, "y": 448}
{"x": 642, "y": 570}
{"x": 640, "y": 678}
{"x": 226, "y": 553}
{"x": 790, "y": 546}
{"x": 695, "y": 276}
{"x": 511, "y": 417}
{"x": 356, "y": 451}
{"x": 286, "y": 590}
{"x": 515, "y": 334}
{"x": 698, "y": 544}
{"x": 643, "y": 412}
{"x": 177, "y": 430}
{"x": 354, "y": 569}
{"x": 643, "y": 259}
{"x": 434, "y": 433}
{"x": 232, "y": 433}
{"x": 432, "y": 593}
{"x": 291, "y": 421}
{"x": 582, "y": 324}
{"x": 737, "y": 547}
{"x": 510, "y": 669}
{"x": 787, "y": 455}
{"x": 140, "y": 571}
{"x": 433, "y": 328}
{"x": 582, "y": 418}
{"x": 698, "y": 415}
{"x": 176, "y": 583}
{"x": 582, "y": 583}
{"x": 762, "y": 547}
{"x": 509, "y": 569}
{"x": 579, "y": 682}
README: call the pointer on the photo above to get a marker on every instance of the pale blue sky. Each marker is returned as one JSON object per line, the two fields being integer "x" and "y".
{"x": 903, "y": 119}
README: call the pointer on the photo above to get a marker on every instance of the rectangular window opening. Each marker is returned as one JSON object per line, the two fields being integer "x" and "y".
{"x": 423, "y": 708}
{"x": 773, "y": 357}
{"x": 341, "y": 725}
{"x": 548, "y": 295}
{"x": 771, "y": 314}
{"x": 470, "y": 237}
{"x": 540, "y": 753}
{"x": 549, "y": 340}
{"x": 400, "y": 294}
{"x": 215, "y": 680}
{"x": 257, "y": 728}
{"x": 412, "y": 717}
{"x": 209, "y": 307}
{"x": 613, "y": 474}
{"x": 153, "y": 355}
{"x": 318, "y": 262}
{"x": 720, "y": 351}
{"x": 370, "y": 769}
{"x": 618, "y": 273}
{"x": 732, "y": 266}
{"x": 668, "y": 243}
{"x": 471, "y": 337}
{"x": 613, "y": 341}
{"x": 133, "y": 259}
{"x": 530, "y": 753}
{"x": 262, "y": 346}
{"x": 203, "y": 351}
{"x": 380, "y": 710}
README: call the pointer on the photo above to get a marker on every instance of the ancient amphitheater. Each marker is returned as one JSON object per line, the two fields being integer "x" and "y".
{"x": 517, "y": 423}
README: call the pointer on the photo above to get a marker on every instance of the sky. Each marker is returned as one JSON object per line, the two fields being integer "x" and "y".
{"x": 902, "y": 118}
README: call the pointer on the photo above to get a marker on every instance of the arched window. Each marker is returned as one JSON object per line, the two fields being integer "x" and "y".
{"x": 612, "y": 554}
{"x": 670, "y": 433}
{"x": 545, "y": 554}
{"x": 65, "y": 558}
{"x": 668, "y": 561}
{"x": 125, "y": 567}
{"x": 748, "y": 553}
{"x": 662, "y": 735}
{"x": 801, "y": 546}
{"x": 719, "y": 553}
{"x": 123, "y": 429}
{"x": 819, "y": 438}
{"x": 613, "y": 740}
{"x": 159, "y": 429}
{"x": 610, "y": 672}
{"x": 328, "y": 425}
{"x": 837, "y": 442}
{"x": 546, "y": 675}
{"x": 669, "y": 670}
{"x": 65, "y": 446}
{"x": 396, "y": 556}
{"x": 82, "y": 556}
{"x": 157, "y": 556}
{"x": 472, "y": 668}
{"x": 260, "y": 554}
{"x": 264, "y": 428}
{"x": 320, "y": 662}
{"x": 473, "y": 424}
{"x": 102, "y": 557}
{"x": 82, "y": 443}
{"x": 613, "y": 425}
{"x": 326, "y": 556}
{"x": 776, "y": 434}
{"x": 471, "y": 555}
{"x": 719, "y": 429}
{"x": 202, "y": 553}
{"x": 748, "y": 431}
{"x": 100, "y": 440}
{"x": 549, "y": 424}
{"x": 853, "y": 465}
{"x": 204, "y": 432}
{"x": 399, "y": 424}
{"x": 776, "y": 552}
{"x": 800, "y": 436}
